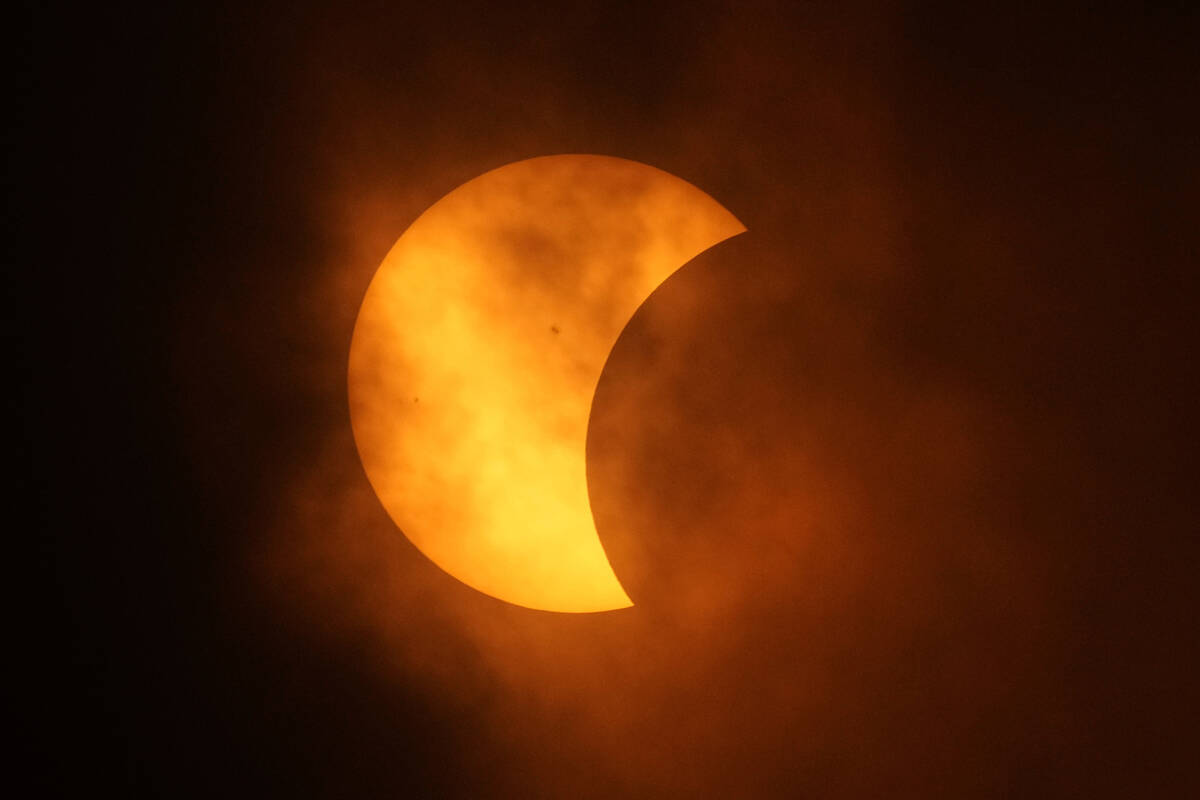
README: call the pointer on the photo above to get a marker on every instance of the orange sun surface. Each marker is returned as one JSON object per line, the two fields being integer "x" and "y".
{"x": 476, "y": 355}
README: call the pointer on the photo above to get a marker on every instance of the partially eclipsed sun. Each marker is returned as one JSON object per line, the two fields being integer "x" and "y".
{"x": 476, "y": 355}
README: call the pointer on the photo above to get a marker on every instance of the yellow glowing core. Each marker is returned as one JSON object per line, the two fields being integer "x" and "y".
{"x": 477, "y": 351}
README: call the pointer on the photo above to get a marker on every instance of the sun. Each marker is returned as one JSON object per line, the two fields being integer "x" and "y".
{"x": 476, "y": 355}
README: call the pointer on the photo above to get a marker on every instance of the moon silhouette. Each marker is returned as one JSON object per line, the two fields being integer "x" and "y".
{"x": 477, "y": 351}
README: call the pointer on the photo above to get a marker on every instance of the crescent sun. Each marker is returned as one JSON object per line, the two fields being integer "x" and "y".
{"x": 477, "y": 351}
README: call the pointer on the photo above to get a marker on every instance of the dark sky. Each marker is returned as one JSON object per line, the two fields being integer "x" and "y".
{"x": 901, "y": 480}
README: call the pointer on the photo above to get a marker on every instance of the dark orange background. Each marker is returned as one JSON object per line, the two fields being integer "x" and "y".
{"x": 900, "y": 480}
